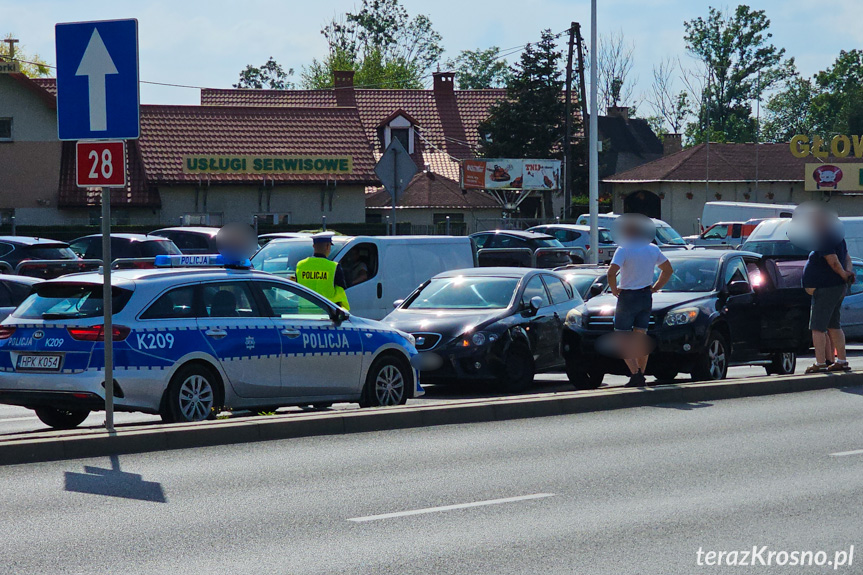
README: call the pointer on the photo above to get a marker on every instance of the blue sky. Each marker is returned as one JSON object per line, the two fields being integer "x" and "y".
{"x": 207, "y": 42}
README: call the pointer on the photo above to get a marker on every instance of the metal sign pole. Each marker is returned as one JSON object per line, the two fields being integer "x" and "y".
{"x": 107, "y": 308}
{"x": 593, "y": 142}
{"x": 395, "y": 186}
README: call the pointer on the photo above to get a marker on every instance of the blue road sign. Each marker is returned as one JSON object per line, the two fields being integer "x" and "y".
{"x": 97, "y": 80}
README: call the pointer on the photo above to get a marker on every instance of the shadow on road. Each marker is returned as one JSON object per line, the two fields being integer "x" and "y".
{"x": 857, "y": 390}
{"x": 684, "y": 406}
{"x": 114, "y": 483}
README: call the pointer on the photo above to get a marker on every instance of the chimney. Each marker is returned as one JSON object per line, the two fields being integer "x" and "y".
{"x": 444, "y": 82}
{"x": 671, "y": 143}
{"x": 618, "y": 112}
{"x": 343, "y": 82}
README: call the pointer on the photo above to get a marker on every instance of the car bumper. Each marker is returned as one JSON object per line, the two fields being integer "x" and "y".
{"x": 450, "y": 364}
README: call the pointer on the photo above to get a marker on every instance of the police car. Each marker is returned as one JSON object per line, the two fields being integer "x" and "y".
{"x": 188, "y": 342}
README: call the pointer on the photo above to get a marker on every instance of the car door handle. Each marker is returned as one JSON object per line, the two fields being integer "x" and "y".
{"x": 216, "y": 333}
{"x": 380, "y": 291}
{"x": 291, "y": 333}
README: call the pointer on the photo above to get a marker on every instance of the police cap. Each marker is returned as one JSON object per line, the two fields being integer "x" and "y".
{"x": 323, "y": 238}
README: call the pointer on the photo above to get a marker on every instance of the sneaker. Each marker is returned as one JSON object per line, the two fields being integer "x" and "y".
{"x": 636, "y": 380}
{"x": 817, "y": 368}
{"x": 840, "y": 366}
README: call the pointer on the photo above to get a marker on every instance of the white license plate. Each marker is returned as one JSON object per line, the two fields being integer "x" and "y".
{"x": 39, "y": 362}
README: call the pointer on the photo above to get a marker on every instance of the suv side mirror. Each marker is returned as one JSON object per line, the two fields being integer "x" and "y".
{"x": 535, "y": 303}
{"x": 739, "y": 287}
{"x": 595, "y": 290}
{"x": 397, "y": 303}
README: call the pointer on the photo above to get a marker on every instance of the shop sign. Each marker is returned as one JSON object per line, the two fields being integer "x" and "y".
{"x": 839, "y": 177}
{"x": 267, "y": 164}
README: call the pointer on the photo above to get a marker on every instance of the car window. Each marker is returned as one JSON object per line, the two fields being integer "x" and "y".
{"x": 229, "y": 299}
{"x": 691, "y": 275}
{"x": 735, "y": 270}
{"x": 178, "y": 303}
{"x": 505, "y": 241}
{"x": 533, "y": 289}
{"x": 605, "y": 237}
{"x": 287, "y": 302}
{"x": 188, "y": 241}
{"x": 857, "y": 286}
{"x": 6, "y": 249}
{"x": 716, "y": 233}
{"x": 18, "y": 291}
{"x": 48, "y": 252}
{"x": 153, "y": 248}
{"x": 80, "y": 247}
{"x": 5, "y": 296}
{"x": 560, "y": 292}
{"x": 55, "y": 300}
{"x": 360, "y": 263}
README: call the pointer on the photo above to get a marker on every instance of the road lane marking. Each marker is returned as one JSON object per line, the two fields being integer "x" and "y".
{"x": 450, "y": 507}
{"x": 5, "y": 419}
{"x": 844, "y": 453}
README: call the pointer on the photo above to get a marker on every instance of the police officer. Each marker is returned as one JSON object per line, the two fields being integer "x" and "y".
{"x": 321, "y": 275}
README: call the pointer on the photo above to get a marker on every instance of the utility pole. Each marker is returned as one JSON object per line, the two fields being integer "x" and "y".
{"x": 567, "y": 142}
{"x": 11, "y": 42}
{"x": 593, "y": 140}
{"x": 582, "y": 89}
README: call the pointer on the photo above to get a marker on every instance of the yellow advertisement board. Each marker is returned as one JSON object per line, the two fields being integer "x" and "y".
{"x": 267, "y": 164}
{"x": 838, "y": 177}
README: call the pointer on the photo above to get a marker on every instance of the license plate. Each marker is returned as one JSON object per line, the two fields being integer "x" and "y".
{"x": 38, "y": 363}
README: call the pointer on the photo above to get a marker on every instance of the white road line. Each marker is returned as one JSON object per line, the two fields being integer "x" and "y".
{"x": 4, "y": 420}
{"x": 844, "y": 453}
{"x": 450, "y": 507}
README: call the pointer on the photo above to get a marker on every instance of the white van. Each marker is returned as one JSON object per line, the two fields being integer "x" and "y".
{"x": 667, "y": 237}
{"x": 378, "y": 270}
{"x": 714, "y": 212}
{"x": 770, "y": 238}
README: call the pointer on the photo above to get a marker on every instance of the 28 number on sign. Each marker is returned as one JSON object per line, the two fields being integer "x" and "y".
{"x": 101, "y": 164}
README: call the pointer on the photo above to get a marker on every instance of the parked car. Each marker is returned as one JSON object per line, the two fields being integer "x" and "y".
{"x": 588, "y": 280}
{"x": 45, "y": 259}
{"x": 191, "y": 240}
{"x": 378, "y": 270}
{"x": 264, "y": 239}
{"x": 770, "y": 238}
{"x": 13, "y": 291}
{"x": 126, "y": 246}
{"x": 524, "y": 249}
{"x": 575, "y": 236}
{"x": 714, "y": 212}
{"x": 720, "y": 308}
{"x": 666, "y": 238}
{"x": 725, "y": 235}
{"x": 498, "y": 324}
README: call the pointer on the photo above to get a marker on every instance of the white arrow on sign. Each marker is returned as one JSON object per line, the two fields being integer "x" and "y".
{"x": 96, "y": 64}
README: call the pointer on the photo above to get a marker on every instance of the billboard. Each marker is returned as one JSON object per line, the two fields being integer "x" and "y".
{"x": 510, "y": 174}
{"x": 838, "y": 177}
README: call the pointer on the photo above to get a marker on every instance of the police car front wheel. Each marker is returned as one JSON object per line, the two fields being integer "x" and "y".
{"x": 192, "y": 395}
{"x": 387, "y": 382}
{"x": 61, "y": 418}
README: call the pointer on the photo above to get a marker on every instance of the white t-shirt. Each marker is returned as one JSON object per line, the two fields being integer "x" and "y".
{"x": 637, "y": 263}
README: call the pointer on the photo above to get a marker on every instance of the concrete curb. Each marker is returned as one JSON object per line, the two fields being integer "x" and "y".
{"x": 75, "y": 444}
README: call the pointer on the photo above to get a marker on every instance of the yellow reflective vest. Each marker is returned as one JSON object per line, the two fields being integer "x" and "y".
{"x": 319, "y": 275}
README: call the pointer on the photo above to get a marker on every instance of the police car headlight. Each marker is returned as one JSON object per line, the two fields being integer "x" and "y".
{"x": 681, "y": 316}
{"x": 575, "y": 318}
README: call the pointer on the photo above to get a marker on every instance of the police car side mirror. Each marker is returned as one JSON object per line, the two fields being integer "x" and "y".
{"x": 397, "y": 303}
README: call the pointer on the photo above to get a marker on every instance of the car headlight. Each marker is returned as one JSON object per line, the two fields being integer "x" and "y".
{"x": 478, "y": 339}
{"x": 575, "y": 317}
{"x": 681, "y": 316}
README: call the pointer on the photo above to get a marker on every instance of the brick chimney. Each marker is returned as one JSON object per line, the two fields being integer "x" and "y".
{"x": 444, "y": 82}
{"x": 671, "y": 143}
{"x": 618, "y": 112}
{"x": 343, "y": 82}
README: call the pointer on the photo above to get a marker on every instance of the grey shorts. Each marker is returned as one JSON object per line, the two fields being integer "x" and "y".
{"x": 633, "y": 309}
{"x": 826, "y": 306}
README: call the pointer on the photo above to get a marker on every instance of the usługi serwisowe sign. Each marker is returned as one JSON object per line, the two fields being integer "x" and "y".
{"x": 267, "y": 164}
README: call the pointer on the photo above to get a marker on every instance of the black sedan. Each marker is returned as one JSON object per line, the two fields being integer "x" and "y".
{"x": 498, "y": 324}
{"x": 517, "y": 248}
{"x": 720, "y": 308}
{"x": 588, "y": 280}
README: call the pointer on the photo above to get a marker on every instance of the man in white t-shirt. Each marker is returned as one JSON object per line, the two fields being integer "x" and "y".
{"x": 636, "y": 259}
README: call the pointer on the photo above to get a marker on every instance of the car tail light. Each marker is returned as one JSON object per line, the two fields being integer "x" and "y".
{"x": 6, "y": 331}
{"x": 97, "y": 332}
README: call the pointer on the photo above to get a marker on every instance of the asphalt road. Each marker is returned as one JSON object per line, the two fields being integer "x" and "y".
{"x": 20, "y": 421}
{"x": 635, "y": 491}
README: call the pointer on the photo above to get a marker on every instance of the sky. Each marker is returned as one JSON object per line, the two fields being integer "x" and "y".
{"x": 207, "y": 42}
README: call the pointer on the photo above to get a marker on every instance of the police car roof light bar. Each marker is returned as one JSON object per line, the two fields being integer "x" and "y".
{"x": 200, "y": 261}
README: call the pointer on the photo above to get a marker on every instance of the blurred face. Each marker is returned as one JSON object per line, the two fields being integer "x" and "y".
{"x": 814, "y": 226}
{"x": 633, "y": 227}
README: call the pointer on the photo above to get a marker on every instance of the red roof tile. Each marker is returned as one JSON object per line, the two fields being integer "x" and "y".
{"x": 47, "y": 84}
{"x": 429, "y": 190}
{"x": 727, "y": 163}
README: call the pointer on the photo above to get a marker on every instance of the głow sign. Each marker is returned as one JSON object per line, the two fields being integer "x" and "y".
{"x": 267, "y": 164}
{"x": 840, "y": 146}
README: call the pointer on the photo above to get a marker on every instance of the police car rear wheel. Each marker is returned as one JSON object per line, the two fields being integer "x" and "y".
{"x": 61, "y": 418}
{"x": 386, "y": 383}
{"x": 191, "y": 395}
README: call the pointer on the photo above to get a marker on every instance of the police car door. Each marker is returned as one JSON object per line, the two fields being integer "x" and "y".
{"x": 319, "y": 358}
{"x": 245, "y": 341}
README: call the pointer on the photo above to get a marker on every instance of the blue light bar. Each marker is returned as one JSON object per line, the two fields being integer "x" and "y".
{"x": 202, "y": 261}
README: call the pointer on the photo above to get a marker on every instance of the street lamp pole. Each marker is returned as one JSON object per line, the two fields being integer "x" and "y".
{"x": 593, "y": 141}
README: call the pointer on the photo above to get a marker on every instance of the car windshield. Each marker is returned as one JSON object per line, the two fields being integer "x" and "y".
{"x": 605, "y": 237}
{"x": 775, "y": 248}
{"x": 669, "y": 236}
{"x": 69, "y": 301}
{"x": 549, "y": 243}
{"x": 581, "y": 283}
{"x": 280, "y": 257}
{"x": 155, "y": 248}
{"x": 465, "y": 293}
{"x": 692, "y": 275}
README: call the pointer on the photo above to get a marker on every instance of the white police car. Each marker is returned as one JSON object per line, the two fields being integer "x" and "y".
{"x": 189, "y": 341}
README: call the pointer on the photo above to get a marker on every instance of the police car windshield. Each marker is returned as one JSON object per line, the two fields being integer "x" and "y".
{"x": 280, "y": 257}
{"x": 69, "y": 301}
{"x": 465, "y": 293}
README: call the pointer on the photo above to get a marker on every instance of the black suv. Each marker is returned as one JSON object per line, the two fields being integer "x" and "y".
{"x": 519, "y": 249}
{"x": 43, "y": 258}
{"x": 720, "y": 308}
{"x": 125, "y": 246}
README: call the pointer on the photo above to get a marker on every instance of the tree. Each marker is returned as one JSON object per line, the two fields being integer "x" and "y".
{"x": 671, "y": 107}
{"x": 614, "y": 62}
{"x": 32, "y": 65}
{"x": 381, "y": 44}
{"x": 479, "y": 69}
{"x": 271, "y": 76}
{"x": 789, "y": 111}
{"x": 739, "y": 64}
{"x": 837, "y": 107}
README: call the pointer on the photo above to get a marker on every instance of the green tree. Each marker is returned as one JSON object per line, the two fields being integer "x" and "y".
{"x": 381, "y": 43}
{"x": 270, "y": 76}
{"x": 32, "y": 65}
{"x": 480, "y": 69}
{"x": 837, "y": 107}
{"x": 739, "y": 64}
{"x": 789, "y": 111}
